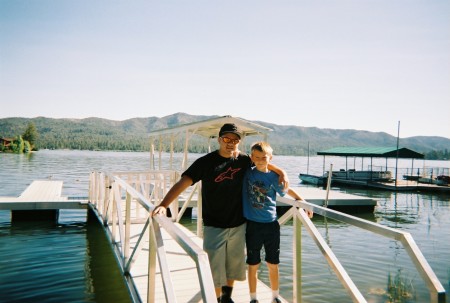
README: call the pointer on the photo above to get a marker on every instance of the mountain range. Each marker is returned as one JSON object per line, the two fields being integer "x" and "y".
{"x": 132, "y": 134}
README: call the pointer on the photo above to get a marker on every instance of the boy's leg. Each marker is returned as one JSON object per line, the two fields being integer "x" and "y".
{"x": 272, "y": 247}
{"x": 254, "y": 242}
{"x": 252, "y": 277}
{"x": 273, "y": 276}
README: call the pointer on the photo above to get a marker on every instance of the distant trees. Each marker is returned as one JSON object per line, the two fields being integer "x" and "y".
{"x": 23, "y": 143}
{"x": 437, "y": 155}
{"x": 30, "y": 135}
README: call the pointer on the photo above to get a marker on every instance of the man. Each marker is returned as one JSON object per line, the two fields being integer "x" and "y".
{"x": 221, "y": 173}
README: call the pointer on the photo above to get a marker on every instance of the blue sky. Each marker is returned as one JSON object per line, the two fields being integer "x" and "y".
{"x": 343, "y": 64}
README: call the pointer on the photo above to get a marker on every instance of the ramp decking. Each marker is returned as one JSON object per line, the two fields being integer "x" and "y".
{"x": 183, "y": 272}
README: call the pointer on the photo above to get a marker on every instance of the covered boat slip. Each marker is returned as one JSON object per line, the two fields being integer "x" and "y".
{"x": 369, "y": 152}
{"x": 380, "y": 178}
{"x": 376, "y": 177}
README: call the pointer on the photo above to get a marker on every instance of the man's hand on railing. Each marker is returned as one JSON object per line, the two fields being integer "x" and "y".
{"x": 159, "y": 210}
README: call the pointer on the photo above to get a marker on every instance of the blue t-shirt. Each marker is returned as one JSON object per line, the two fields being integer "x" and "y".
{"x": 259, "y": 194}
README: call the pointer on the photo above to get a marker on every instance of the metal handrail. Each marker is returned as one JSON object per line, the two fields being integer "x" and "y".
{"x": 135, "y": 188}
{"x": 105, "y": 195}
{"x": 437, "y": 291}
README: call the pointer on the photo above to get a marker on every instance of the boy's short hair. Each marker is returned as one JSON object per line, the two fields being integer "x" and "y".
{"x": 262, "y": 147}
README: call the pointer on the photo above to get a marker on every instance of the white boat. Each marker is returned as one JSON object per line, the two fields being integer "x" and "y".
{"x": 351, "y": 174}
{"x": 360, "y": 175}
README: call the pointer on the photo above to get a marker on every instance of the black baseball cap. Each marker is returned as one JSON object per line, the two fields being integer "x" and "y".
{"x": 230, "y": 128}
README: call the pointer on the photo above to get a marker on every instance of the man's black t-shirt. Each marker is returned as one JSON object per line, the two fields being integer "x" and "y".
{"x": 221, "y": 188}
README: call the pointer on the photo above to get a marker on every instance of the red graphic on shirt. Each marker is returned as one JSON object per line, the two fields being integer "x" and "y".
{"x": 227, "y": 174}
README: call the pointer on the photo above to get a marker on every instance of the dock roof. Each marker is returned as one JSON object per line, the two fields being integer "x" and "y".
{"x": 210, "y": 128}
{"x": 374, "y": 152}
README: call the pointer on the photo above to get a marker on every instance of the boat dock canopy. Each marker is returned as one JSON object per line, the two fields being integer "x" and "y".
{"x": 375, "y": 152}
{"x": 210, "y": 128}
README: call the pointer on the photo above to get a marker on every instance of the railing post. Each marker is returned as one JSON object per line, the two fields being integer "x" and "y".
{"x": 297, "y": 259}
{"x": 126, "y": 248}
{"x": 151, "y": 284}
{"x": 199, "y": 211}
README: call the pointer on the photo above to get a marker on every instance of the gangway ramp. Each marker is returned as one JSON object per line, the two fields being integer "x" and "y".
{"x": 183, "y": 272}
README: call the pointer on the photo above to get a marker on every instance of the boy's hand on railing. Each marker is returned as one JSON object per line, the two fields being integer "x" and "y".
{"x": 159, "y": 210}
{"x": 309, "y": 213}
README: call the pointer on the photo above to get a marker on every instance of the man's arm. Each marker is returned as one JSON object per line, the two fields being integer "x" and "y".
{"x": 283, "y": 178}
{"x": 172, "y": 194}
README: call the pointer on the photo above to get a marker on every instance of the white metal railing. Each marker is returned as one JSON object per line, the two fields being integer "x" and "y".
{"x": 147, "y": 189}
{"x": 122, "y": 199}
{"x": 437, "y": 291}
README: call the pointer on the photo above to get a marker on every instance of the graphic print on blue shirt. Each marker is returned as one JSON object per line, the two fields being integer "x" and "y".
{"x": 259, "y": 194}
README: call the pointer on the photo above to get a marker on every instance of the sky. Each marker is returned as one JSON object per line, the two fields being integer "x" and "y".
{"x": 343, "y": 64}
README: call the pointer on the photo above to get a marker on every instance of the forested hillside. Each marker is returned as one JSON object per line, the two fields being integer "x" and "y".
{"x": 132, "y": 134}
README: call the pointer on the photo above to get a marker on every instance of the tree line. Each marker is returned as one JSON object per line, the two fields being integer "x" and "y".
{"x": 23, "y": 143}
{"x": 132, "y": 135}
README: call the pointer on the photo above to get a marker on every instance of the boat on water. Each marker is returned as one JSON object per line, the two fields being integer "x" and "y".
{"x": 442, "y": 180}
{"x": 312, "y": 179}
{"x": 350, "y": 174}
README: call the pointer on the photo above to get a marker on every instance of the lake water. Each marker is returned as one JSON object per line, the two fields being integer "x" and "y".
{"x": 72, "y": 262}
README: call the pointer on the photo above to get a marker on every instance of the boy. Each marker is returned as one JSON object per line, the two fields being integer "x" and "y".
{"x": 259, "y": 199}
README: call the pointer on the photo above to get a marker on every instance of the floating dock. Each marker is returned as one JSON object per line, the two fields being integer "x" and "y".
{"x": 41, "y": 200}
{"x": 336, "y": 200}
{"x": 401, "y": 185}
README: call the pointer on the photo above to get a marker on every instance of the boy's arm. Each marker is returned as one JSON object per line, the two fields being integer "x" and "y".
{"x": 283, "y": 178}
{"x": 294, "y": 195}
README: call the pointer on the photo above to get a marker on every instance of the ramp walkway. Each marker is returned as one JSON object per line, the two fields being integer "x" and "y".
{"x": 183, "y": 272}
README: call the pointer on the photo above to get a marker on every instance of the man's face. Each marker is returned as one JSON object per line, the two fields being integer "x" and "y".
{"x": 229, "y": 143}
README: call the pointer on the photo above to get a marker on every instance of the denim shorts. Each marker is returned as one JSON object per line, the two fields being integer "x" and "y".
{"x": 259, "y": 235}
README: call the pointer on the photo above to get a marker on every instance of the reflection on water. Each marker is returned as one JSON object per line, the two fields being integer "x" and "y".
{"x": 58, "y": 262}
{"x": 376, "y": 264}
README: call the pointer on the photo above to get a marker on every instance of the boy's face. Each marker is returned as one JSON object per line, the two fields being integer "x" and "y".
{"x": 261, "y": 159}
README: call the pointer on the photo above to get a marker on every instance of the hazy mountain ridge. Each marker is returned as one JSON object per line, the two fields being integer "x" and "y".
{"x": 132, "y": 134}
